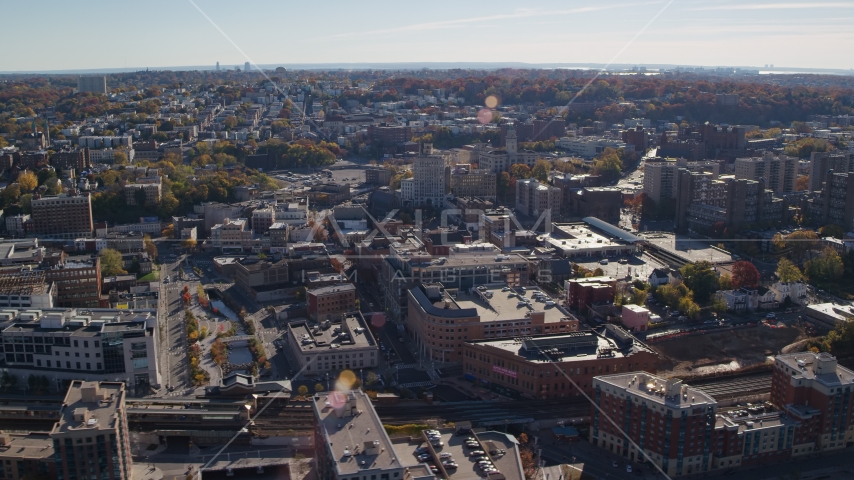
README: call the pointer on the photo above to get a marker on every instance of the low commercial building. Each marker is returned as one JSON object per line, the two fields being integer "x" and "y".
{"x": 330, "y": 302}
{"x": 442, "y": 319}
{"x": 103, "y": 344}
{"x": 262, "y": 279}
{"x": 582, "y": 293}
{"x": 333, "y": 346}
{"x": 635, "y": 318}
{"x": 27, "y": 456}
{"x": 829, "y": 315}
{"x": 24, "y": 288}
{"x": 592, "y": 240}
{"x": 232, "y": 236}
{"x": 542, "y": 366}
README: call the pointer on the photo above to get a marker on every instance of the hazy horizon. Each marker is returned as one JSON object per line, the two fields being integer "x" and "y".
{"x": 101, "y": 35}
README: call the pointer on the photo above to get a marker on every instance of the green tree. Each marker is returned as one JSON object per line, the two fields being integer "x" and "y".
{"x": 701, "y": 278}
{"x": 371, "y": 378}
{"x": 11, "y": 194}
{"x": 111, "y": 263}
{"x": 831, "y": 230}
{"x": 608, "y": 165}
{"x": 725, "y": 282}
{"x": 26, "y": 202}
{"x": 788, "y": 271}
{"x": 827, "y": 266}
{"x": 230, "y": 122}
{"x": 719, "y": 305}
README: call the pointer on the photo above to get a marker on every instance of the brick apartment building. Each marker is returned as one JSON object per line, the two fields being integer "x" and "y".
{"x": 78, "y": 282}
{"x": 78, "y": 159}
{"x": 63, "y": 216}
{"x": 815, "y": 390}
{"x": 679, "y": 428}
{"x": 534, "y": 367}
{"x": 581, "y": 293}
{"x": 330, "y": 302}
{"x": 389, "y": 134}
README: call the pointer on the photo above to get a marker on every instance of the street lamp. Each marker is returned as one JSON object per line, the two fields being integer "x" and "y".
{"x": 327, "y": 381}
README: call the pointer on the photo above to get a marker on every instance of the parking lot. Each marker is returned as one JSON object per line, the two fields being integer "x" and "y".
{"x": 686, "y": 247}
{"x": 467, "y": 469}
{"x": 640, "y": 267}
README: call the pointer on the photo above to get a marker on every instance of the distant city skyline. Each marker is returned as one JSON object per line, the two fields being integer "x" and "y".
{"x": 174, "y": 34}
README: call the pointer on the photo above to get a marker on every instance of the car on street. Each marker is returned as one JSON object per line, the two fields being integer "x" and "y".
{"x": 628, "y": 469}
{"x": 771, "y": 315}
{"x": 615, "y": 464}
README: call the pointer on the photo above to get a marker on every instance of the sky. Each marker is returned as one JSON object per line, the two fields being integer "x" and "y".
{"x": 97, "y": 34}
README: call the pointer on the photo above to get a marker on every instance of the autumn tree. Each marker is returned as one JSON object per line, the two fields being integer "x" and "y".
{"x": 302, "y": 390}
{"x": 318, "y": 387}
{"x": 725, "y": 282}
{"x": 520, "y": 170}
{"x": 120, "y": 158}
{"x": 802, "y": 183}
{"x": 230, "y": 122}
{"x": 28, "y": 181}
{"x": 149, "y": 247}
{"x": 788, "y": 271}
{"x": 111, "y": 263}
{"x": 541, "y": 170}
{"x": 189, "y": 243}
{"x": 798, "y": 242}
{"x": 745, "y": 275}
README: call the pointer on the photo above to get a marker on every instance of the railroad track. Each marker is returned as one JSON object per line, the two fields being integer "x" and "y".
{"x": 736, "y": 386}
{"x": 478, "y": 412}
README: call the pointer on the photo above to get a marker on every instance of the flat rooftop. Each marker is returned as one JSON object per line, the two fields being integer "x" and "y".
{"x": 495, "y": 304}
{"x": 686, "y": 247}
{"x": 821, "y": 367}
{"x": 569, "y": 347}
{"x": 656, "y": 389}
{"x": 354, "y": 434}
{"x": 22, "y": 282}
{"x": 32, "y": 446}
{"x": 352, "y": 332}
{"x": 90, "y": 406}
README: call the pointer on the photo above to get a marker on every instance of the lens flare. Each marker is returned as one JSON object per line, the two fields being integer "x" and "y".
{"x": 346, "y": 381}
{"x": 378, "y": 320}
{"x": 336, "y": 399}
{"x": 491, "y": 101}
{"x": 484, "y": 116}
